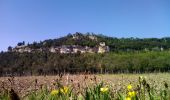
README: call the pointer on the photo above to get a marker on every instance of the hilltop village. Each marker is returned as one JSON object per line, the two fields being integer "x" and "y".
{"x": 65, "y": 49}
{"x": 92, "y": 43}
{"x": 101, "y": 47}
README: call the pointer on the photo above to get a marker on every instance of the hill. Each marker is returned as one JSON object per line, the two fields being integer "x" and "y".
{"x": 72, "y": 43}
{"x": 93, "y": 41}
{"x": 82, "y": 53}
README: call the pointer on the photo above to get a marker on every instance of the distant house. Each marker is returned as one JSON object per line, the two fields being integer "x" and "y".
{"x": 102, "y": 44}
{"x": 82, "y": 50}
{"x": 65, "y": 49}
{"x": 103, "y": 48}
{"x": 90, "y": 50}
{"x": 41, "y": 49}
{"x": 21, "y": 49}
{"x": 27, "y": 49}
{"x": 53, "y": 50}
{"x": 93, "y": 37}
{"x": 75, "y": 50}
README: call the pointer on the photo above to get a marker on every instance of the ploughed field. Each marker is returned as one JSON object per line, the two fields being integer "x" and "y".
{"x": 113, "y": 84}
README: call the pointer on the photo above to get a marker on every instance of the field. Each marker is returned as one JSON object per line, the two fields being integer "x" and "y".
{"x": 30, "y": 87}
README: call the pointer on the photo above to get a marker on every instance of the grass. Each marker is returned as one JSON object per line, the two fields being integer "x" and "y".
{"x": 87, "y": 87}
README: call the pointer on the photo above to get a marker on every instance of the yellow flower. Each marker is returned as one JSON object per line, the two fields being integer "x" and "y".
{"x": 128, "y": 98}
{"x": 129, "y": 87}
{"x": 104, "y": 89}
{"x": 132, "y": 94}
{"x": 64, "y": 90}
{"x": 54, "y": 92}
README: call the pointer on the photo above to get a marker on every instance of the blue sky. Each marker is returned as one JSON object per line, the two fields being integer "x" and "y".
{"x": 35, "y": 20}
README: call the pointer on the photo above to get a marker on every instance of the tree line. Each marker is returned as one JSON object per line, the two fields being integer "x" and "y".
{"x": 46, "y": 63}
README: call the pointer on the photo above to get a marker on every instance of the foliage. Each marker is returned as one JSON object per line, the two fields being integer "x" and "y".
{"x": 141, "y": 91}
{"x": 42, "y": 63}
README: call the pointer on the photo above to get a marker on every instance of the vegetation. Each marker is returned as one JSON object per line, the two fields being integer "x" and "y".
{"x": 42, "y": 63}
{"x": 141, "y": 89}
{"x": 127, "y": 55}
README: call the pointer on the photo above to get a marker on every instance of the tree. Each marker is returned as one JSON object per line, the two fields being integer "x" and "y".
{"x": 21, "y": 43}
{"x": 9, "y": 49}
